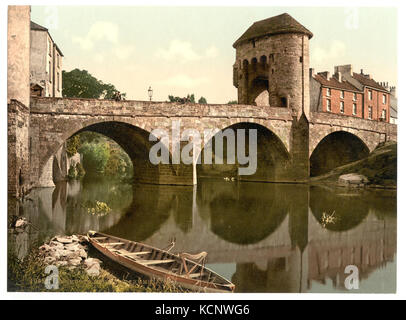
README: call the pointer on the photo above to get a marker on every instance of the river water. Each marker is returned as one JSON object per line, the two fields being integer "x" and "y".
{"x": 263, "y": 237}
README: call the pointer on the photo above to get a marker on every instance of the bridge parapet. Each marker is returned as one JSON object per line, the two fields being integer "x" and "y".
{"x": 353, "y": 122}
{"x": 131, "y": 108}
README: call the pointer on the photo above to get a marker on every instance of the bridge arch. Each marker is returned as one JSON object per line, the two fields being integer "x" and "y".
{"x": 130, "y": 135}
{"x": 336, "y": 149}
{"x": 272, "y": 155}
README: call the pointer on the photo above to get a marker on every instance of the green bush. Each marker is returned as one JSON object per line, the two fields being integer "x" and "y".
{"x": 72, "y": 146}
{"x": 72, "y": 172}
{"x": 80, "y": 171}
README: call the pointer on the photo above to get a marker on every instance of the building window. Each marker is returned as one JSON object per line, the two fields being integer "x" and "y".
{"x": 328, "y": 92}
{"x": 50, "y": 47}
{"x": 384, "y": 114}
{"x": 57, "y": 81}
{"x": 328, "y": 105}
{"x": 354, "y": 96}
{"x": 354, "y": 109}
{"x": 370, "y": 94}
{"x": 370, "y": 112}
{"x": 342, "y": 106}
{"x": 384, "y": 99}
{"x": 342, "y": 94}
{"x": 50, "y": 72}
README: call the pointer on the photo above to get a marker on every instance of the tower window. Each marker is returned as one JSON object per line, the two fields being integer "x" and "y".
{"x": 253, "y": 43}
{"x": 284, "y": 102}
{"x": 342, "y": 106}
{"x": 301, "y": 59}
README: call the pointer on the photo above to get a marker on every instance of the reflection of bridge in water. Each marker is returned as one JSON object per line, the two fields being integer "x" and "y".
{"x": 276, "y": 242}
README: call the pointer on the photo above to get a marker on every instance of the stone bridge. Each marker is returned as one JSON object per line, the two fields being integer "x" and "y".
{"x": 288, "y": 148}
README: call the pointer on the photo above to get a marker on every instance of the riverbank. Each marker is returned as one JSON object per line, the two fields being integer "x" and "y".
{"x": 28, "y": 274}
{"x": 380, "y": 168}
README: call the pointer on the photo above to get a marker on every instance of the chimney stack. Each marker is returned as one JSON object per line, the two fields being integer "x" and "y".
{"x": 393, "y": 91}
{"x": 325, "y": 74}
{"x": 339, "y": 77}
{"x": 344, "y": 69}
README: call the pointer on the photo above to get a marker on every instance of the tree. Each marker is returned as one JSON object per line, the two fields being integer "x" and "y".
{"x": 202, "y": 100}
{"x": 81, "y": 84}
{"x": 72, "y": 145}
{"x": 95, "y": 157}
{"x": 190, "y": 98}
{"x": 232, "y": 102}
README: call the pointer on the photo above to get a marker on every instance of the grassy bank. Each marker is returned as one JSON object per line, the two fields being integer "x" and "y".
{"x": 28, "y": 275}
{"x": 380, "y": 167}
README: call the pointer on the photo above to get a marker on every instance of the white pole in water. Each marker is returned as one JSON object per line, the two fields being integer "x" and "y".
{"x": 194, "y": 172}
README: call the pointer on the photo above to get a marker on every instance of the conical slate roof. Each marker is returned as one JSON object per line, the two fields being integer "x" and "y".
{"x": 283, "y": 23}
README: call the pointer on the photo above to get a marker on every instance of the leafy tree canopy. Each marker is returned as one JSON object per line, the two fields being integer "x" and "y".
{"x": 81, "y": 84}
{"x": 202, "y": 100}
{"x": 190, "y": 98}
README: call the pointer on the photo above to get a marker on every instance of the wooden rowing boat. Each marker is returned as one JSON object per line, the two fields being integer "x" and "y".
{"x": 160, "y": 264}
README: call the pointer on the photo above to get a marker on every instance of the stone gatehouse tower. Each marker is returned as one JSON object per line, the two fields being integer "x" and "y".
{"x": 273, "y": 56}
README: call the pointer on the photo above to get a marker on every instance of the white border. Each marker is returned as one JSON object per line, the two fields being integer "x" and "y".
{"x": 194, "y": 296}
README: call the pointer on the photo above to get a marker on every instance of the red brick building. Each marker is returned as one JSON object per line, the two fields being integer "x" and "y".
{"x": 349, "y": 94}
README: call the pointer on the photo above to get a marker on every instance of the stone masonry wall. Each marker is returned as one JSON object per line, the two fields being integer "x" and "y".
{"x": 53, "y": 120}
{"x": 287, "y": 65}
{"x": 18, "y": 148}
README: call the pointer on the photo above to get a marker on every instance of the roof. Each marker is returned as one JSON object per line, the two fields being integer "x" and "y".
{"x": 334, "y": 83}
{"x": 36, "y": 26}
{"x": 366, "y": 81}
{"x": 283, "y": 23}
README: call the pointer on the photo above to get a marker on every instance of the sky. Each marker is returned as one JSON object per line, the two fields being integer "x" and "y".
{"x": 182, "y": 50}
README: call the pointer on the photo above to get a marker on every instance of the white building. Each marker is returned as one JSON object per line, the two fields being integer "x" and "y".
{"x": 45, "y": 63}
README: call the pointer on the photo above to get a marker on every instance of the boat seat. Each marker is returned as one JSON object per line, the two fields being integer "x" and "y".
{"x": 194, "y": 275}
{"x": 98, "y": 238}
{"x": 113, "y": 243}
{"x": 135, "y": 253}
{"x": 130, "y": 254}
{"x": 151, "y": 262}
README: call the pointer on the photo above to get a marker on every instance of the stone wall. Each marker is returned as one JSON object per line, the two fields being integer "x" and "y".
{"x": 18, "y": 54}
{"x": 18, "y": 99}
{"x": 18, "y": 148}
{"x": 39, "y": 59}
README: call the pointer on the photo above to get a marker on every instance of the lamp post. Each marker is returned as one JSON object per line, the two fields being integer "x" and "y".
{"x": 150, "y": 93}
